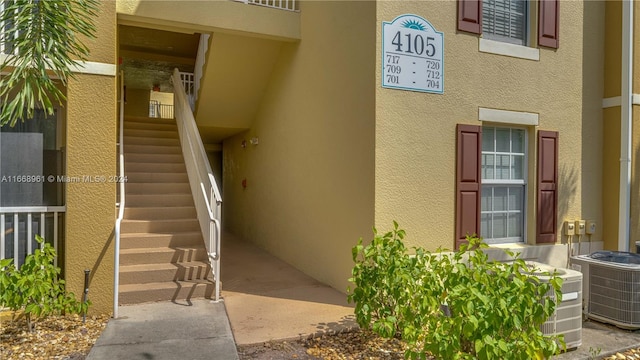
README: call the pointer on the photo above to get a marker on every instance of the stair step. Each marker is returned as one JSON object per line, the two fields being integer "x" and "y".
{"x": 156, "y": 177}
{"x": 158, "y": 188}
{"x": 150, "y": 273}
{"x": 159, "y": 212}
{"x": 170, "y": 200}
{"x": 154, "y": 158}
{"x": 175, "y": 290}
{"x": 132, "y": 241}
{"x": 159, "y": 226}
{"x": 164, "y": 134}
{"x": 143, "y": 140}
{"x": 151, "y": 149}
{"x": 153, "y": 167}
{"x": 149, "y": 120}
{"x": 147, "y": 125}
{"x": 162, "y": 253}
{"x": 157, "y": 255}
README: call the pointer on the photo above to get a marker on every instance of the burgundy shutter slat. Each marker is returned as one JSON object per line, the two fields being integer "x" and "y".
{"x": 468, "y": 189}
{"x": 548, "y": 23}
{"x": 547, "y": 214}
{"x": 470, "y": 16}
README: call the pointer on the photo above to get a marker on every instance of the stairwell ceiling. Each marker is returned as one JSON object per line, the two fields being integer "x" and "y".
{"x": 149, "y": 56}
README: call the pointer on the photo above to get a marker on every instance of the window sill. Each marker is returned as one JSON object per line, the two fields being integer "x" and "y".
{"x": 506, "y": 49}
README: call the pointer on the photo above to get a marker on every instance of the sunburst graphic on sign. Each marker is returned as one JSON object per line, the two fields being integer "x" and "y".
{"x": 413, "y": 24}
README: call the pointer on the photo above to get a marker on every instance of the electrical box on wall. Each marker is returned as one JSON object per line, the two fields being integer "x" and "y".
{"x": 580, "y": 227}
{"x": 569, "y": 228}
{"x": 591, "y": 227}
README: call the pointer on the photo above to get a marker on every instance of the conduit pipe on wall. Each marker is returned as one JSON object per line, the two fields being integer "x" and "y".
{"x": 626, "y": 126}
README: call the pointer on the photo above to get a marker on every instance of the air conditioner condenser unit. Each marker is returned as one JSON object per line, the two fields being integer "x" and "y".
{"x": 567, "y": 319}
{"x": 612, "y": 286}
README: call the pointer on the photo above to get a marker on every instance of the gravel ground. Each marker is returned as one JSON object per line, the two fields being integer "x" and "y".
{"x": 55, "y": 337}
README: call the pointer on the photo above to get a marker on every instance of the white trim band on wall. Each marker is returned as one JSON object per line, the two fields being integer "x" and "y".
{"x": 617, "y": 101}
{"x": 506, "y": 49}
{"x": 83, "y": 67}
{"x": 507, "y": 117}
{"x": 94, "y": 68}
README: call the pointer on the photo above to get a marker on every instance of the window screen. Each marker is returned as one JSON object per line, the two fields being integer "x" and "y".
{"x": 503, "y": 184}
{"x": 505, "y": 20}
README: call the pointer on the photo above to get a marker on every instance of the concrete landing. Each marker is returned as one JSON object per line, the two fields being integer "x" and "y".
{"x": 268, "y": 299}
{"x": 194, "y": 330}
{"x": 599, "y": 340}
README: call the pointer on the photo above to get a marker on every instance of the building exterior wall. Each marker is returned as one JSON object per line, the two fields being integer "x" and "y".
{"x": 635, "y": 153}
{"x": 613, "y": 48}
{"x": 590, "y": 152}
{"x": 309, "y": 182}
{"x": 611, "y": 126}
{"x": 137, "y": 102}
{"x": 635, "y": 179}
{"x": 636, "y": 48}
{"x": 611, "y": 123}
{"x": 611, "y": 175}
{"x": 416, "y": 132}
{"x": 211, "y": 16}
{"x": 91, "y": 151}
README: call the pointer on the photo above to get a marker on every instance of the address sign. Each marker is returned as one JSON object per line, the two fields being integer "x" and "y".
{"x": 412, "y": 55}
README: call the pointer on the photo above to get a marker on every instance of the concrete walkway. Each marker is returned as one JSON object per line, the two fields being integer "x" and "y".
{"x": 164, "y": 330}
{"x": 600, "y": 340}
{"x": 268, "y": 299}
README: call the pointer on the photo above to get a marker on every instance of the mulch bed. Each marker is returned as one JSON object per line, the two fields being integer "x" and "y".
{"x": 55, "y": 337}
{"x": 353, "y": 345}
{"x": 68, "y": 338}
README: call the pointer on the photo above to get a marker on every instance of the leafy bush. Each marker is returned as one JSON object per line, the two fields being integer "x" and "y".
{"x": 455, "y": 305}
{"x": 36, "y": 288}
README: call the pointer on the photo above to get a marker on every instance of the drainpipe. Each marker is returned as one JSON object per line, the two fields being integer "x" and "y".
{"x": 625, "y": 126}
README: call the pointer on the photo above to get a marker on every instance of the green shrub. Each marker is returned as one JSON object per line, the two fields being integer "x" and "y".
{"x": 36, "y": 288}
{"x": 455, "y": 305}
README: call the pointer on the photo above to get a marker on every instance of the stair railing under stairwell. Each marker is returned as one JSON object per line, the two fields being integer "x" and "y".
{"x": 204, "y": 188}
{"x": 188, "y": 85}
{"x": 116, "y": 256}
{"x": 201, "y": 60}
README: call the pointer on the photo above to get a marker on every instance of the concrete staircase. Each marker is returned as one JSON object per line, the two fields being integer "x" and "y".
{"x": 162, "y": 253}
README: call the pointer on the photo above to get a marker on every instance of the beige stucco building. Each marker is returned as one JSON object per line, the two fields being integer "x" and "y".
{"x": 312, "y": 144}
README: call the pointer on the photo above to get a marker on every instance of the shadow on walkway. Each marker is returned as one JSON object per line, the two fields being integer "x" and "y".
{"x": 268, "y": 299}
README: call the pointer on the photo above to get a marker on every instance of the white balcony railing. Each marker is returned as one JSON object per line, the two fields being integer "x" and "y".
{"x": 290, "y": 5}
{"x": 188, "y": 84}
{"x": 7, "y": 33}
{"x": 19, "y": 226}
{"x": 160, "y": 110}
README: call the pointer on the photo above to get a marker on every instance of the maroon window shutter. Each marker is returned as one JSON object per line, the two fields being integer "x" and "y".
{"x": 470, "y": 16}
{"x": 548, "y": 23}
{"x": 547, "y": 215}
{"x": 468, "y": 188}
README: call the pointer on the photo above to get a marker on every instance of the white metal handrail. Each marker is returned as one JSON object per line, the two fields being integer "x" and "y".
{"x": 204, "y": 188}
{"x": 14, "y": 213}
{"x": 121, "y": 204}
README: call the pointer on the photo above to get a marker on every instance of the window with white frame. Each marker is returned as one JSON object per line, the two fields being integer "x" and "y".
{"x": 505, "y": 20}
{"x": 504, "y": 159}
